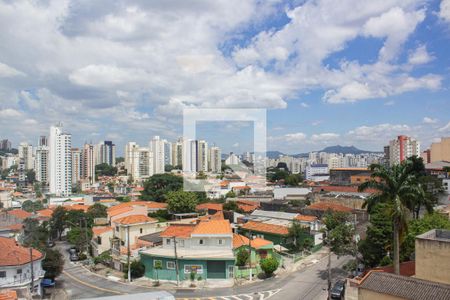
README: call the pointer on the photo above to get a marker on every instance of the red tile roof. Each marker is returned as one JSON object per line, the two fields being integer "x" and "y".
{"x": 119, "y": 210}
{"x": 338, "y": 188}
{"x": 267, "y": 228}
{"x": 207, "y": 206}
{"x": 45, "y": 213}
{"x": 77, "y": 207}
{"x": 12, "y": 254}
{"x": 217, "y": 216}
{"x": 248, "y": 208}
{"x": 135, "y": 219}
{"x": 213, "y": 227}
{"x": 240, "y": 240}
{"x": 178, "y": 230}
{"x": 323, "y": 206}
{"x": 19, "y": 213}
{"x": 8, "y": 295}
{"x": 304, "y": 218}
{"x": 98, "y": 230}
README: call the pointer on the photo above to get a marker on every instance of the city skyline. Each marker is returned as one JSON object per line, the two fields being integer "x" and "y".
{"x": 384, "y": 78}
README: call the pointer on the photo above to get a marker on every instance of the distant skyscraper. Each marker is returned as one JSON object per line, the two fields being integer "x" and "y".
{"x": 215, "y": 159}
{"x": 402, "y": 148}
{"x": 5, "y": 145}
{"x": 43, "y": 141}
{"x": 26, "y": 154}
{"x": 177, "y": 153}
{"x": 105, "y": 153}
{"x": 138, "y": 161}
{"x": 202, "y": 156}
{"x": 157, "y": 148}
{"x": 76, "y": 165}
{"x": 88, "y": 163}
{"x": 168, "y": 153}
{"x": 60, "y": 161}
{"x": 440, "y": 151}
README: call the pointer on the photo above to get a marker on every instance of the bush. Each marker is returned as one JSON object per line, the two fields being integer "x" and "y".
{"x": 386, "y": 261}
{"x": 103, "y": 258}
{"x": 137, "y": 269}
{"x": 269, "y": 265}
{"x": 242, "y": 257}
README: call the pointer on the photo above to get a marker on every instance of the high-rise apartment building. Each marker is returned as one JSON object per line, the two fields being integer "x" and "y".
{"x": 5, "y": 145}
{"x": 402, "y": 148}
{"x": 60, "y": 161}
{"x": 43, "y": 141}
{"x": 177, "y": 153}
{"x": 202, "y": 156}
{"x": 88, "y": 163}
{"x": 41, "y": 164}
{"x": 105, "y": 153}
{"x": 76, "y": 165}
{"x": 26, "y": 154}
{"x": 215, "y": 159}
{"x": 138, "y": 161}
{"x": 168, "y": 153}
{"x": 157, "y": 147}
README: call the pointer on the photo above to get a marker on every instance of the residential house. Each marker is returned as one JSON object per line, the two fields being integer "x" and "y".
{"x": 318, "y": 209}
{"x": 260, "y": 248}
{"x": 126, "y": 232}
{"x": 15, "y": 266}
{"x": 134, "y": 208}
{"x": 101, "y": 239}
{"x": 278, "y": 234}
{"x": 205, "y": 248}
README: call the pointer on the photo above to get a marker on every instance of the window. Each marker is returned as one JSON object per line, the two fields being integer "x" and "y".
{"x": 140, "y": 230}
{"x": 168, "y": 241}
{"x": 2, "y": 274}
{"x": 19, "y": 271}
{"x": 200, "y": 242}
{"x": 188, "y": 269}
{"x": 170, "y": 265}
{"x": 99, "y": 240}
{"x": 220, "y": 242}
{"x": 181, "y": 242}
{"x": 157, "y": 264}
{"x": 117, "y": 228}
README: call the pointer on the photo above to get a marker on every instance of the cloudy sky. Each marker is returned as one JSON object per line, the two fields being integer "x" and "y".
{"x": 357, "y": 73}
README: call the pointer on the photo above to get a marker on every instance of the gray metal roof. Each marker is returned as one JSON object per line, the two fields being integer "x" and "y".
{"x": 281, "y": 193}
{"x": 273, "y": 214}
{"x": 405, "y": 287}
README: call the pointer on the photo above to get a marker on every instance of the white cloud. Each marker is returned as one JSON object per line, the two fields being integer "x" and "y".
{"x": 295, "y": 137}
{"x": 7, "y": 71}
{"x": 445, "y": 128}
{"x": 420, "y": 56}
{"x": 380, "y": 133}
{"x": 428, "y": 120}
{"x": 10, "y": 113}
{"x": 324, "y": 137}
{"x": 305, "y": 105}
{"x": 444, "y": 11}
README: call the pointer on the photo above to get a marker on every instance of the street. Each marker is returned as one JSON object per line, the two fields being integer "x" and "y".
{"x": 307, "y": 283}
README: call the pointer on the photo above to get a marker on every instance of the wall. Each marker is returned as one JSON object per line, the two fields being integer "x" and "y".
{"x": 105, "y": 245}
{"x": 135, "y": 231}
{"x": 440, "y": 151}
{"x": 433, "y": 260}
{"x": 14, "y": 279}
{"x": 170, "y": 274}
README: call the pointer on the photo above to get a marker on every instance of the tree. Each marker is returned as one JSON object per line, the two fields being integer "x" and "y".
{"x": 181, "y": 201}
{"x": 230, "y": 194}
{"x": 339, "y": 237}
{"x": 242, "y": 257}
{"x": 31, "y": 176}
{"x": 157, "y": 187}
{"x": 399, "y": 187}
{"x": 97, "y": 210}
{"x": 269, "y": 265}
{"x": 53, "y": 263}
{"x": 38, "y": 189}
{"x": 119, "y": 160}
{"x": 293, "y": 180}
{"x": 379, "y": 236}
{"x": 58, "y": 221}
{"x": 168, "y": 168}
{"x": 35, "y": 235}
{"x": 137, "y": 269}
{"x": 232, "y": 206}
{"x": 105, "y": 169}
{"x": 298, "y": 234}
{"x": 32, "y": 206}
{"x": 419, "y": 226}
{"x": 275, "y": 174}
{"x": 79, "y": 237}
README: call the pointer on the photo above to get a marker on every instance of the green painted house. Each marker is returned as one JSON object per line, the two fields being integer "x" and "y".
{"x": 205, "y": 249}
{"x": 277, "y": 234}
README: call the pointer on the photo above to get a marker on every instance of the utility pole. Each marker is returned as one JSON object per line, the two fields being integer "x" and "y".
{"x": 128, "y": 253}
{"x": 250, "y": 255}
{"x": 176, "y": 260}
{"x": 329, "y": 263}
{"x": 86, "y": 236}
{"x": 32, "y": 271}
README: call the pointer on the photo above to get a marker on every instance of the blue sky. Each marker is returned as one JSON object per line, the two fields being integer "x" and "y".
{"x": 355, "y": 74}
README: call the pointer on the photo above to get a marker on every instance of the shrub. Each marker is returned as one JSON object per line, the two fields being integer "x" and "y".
{"x": 386, "y": 261}
{"x": 269, "y": 265}
{"x": 242, "y": 257}
{"x": 137, "y": 269}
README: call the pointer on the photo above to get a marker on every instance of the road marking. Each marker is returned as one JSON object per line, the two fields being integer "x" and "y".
{"x": 90, "y": 285}
{"x": 251, "y": 296}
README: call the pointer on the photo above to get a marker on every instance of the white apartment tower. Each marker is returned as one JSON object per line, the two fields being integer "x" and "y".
{"x": 402, "y": 148}
{"x": 41, "y": 164}
{"x": 138, "y": 161}
{"x": 60, "y": 161}
{"x": 76, "y": 165}
{"x": 158, "y": 150}
{"x": 215, "y": 159}
{"x": 177, "y": 153}
{"x": 26, "y": 153}
{"x": 202, "y": 156}
{"x": 105, "y": 153}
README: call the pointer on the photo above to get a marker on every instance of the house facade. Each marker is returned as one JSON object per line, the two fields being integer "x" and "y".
{"x": 205, "y": 249}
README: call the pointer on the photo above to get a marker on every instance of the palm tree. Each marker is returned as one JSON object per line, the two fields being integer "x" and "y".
{"x": 398, "y": 187}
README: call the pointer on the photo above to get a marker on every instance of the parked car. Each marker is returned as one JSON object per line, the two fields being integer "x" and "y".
{"x": 73, "y": 254}
{"x": 338, "y": 290}
{"x": 48, "y": 282}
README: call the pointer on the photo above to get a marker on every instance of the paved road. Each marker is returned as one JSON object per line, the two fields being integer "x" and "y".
{"x": 308, "y": 283}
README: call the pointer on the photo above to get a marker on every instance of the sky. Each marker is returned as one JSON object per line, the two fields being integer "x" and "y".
{"x": 358, "y": 73}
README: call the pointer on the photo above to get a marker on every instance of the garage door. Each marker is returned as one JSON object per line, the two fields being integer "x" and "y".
{"x": 216, "y": 269}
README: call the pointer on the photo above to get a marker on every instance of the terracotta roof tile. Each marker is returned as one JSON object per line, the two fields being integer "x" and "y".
{"x": 119, "y": 211}
{"x": 217, "y": 216}
{"x": 98, "y": 230}
{"x": 207, "y": 206}
{"x": 178, "y": 230}
{"x": 304, "y": 218}
{"x": 135, "y": 219}
{"x": 267, "y": 228}
{"x": 19, "y": 213}
{"x": 45, "y": 213}
{"x": 8, "y": 295}
{"x": 77, "y": 207}
{"x": 213, "y": 227}
{"x": 323, "y": 206}
{"x": 248, "y": 208}
{"x": 405, "y": 287}
{"x": 338, "y": 188}
{"x": 13, "y": 254}
{"x": 240, "y": 240}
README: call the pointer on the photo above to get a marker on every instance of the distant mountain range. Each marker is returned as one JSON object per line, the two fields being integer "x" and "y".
{"x": 330, "y": 149}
